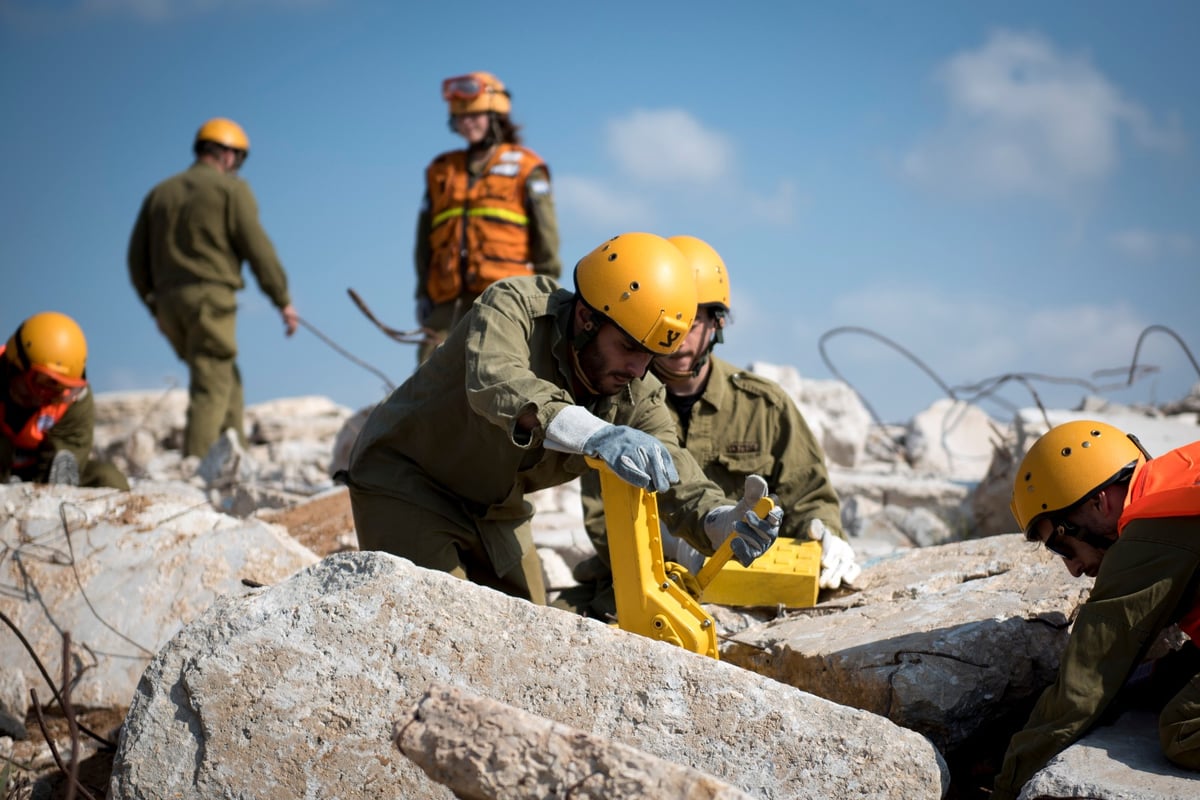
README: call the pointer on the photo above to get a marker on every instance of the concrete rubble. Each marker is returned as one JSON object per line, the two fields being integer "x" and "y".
{"x": 523, "y": 755}
{"x": 951, "y": 634}
{"x": 316, "y": 670}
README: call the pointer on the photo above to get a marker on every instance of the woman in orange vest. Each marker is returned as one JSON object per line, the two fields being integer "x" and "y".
{"x": 47, "y": 415}
{"x": 1092, "y": 496}
{"x": 488, "y": 212}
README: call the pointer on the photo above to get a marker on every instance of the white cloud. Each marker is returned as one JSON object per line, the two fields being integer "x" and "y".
{"x": 670, "y": 168}
{"x": 1144, "y": 245}
{"x": 1026, "y": 118}
{"x": 601, "y": 205}
{"x": 668, "y": 146}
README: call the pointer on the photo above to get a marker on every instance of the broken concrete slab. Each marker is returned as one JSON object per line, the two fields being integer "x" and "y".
{"x": 486, "y": 750}
{"x": 941, "y": 639}
{"x": 296, "y": 686}
{"x": 121, "y": 572}
{"x": 1122, "y": 761}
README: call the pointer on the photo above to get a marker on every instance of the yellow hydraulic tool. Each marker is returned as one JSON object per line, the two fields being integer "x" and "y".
{"x": 786, "y": 575}
{"x": 648, "y": 602}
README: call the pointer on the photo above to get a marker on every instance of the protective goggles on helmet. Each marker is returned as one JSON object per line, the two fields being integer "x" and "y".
{"x": 46, "y": 386}
{"x": 462, "y": 87}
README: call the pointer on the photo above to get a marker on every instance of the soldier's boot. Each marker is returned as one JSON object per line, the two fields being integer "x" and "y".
{"x": 64, "y": 469}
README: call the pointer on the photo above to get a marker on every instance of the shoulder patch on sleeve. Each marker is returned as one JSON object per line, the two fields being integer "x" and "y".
{"x": 539, "y": 187}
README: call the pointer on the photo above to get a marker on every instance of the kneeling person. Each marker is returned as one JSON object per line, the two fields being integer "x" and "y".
{"x": 47, "y": 414}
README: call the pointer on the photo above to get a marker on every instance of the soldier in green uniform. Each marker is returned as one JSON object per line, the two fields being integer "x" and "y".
{"x": 1091, "y": 494}
{"x": 185, "y": 261}
{"x": 535, "y": 377}
{"x": 488, "y": 212}
{"x": 734, "y": 423}
{"x": 47, "y": 414}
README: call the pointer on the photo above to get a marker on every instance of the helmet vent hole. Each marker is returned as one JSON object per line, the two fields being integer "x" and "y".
{"x": 612, "y": 256}
{"x": 634, "y": 286}
{"x": 1028, "y": 477}
{"x": 1066, "y": 451}
{"x": 1085, "y": 444}
{"x": 1043, "y": 506}
{"x": 1095, "y": 433}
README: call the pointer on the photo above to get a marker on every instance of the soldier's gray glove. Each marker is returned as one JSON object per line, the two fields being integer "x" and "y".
{"x": 635, "y": 456}
{"x": 754, "y": 534}
{"x": 837, "y": 557}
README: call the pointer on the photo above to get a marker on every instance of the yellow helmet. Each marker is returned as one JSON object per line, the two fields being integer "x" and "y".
{"x": 645, "y": 285}
{"x": 712, "y": 279}
{"x": 224, "y": 132}
{"x": 50, "y": 343}
{"x": 476, "y": 92}
{"x": 1069, "y": 463}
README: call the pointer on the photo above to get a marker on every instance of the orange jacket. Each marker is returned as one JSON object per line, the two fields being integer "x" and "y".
{"x": 30, "y": 436}
{"x": 485, "y": 221}
{"x": 1167, "y": 486}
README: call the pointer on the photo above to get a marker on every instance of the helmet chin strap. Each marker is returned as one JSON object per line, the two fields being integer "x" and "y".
{"x": 581, "y": 340}
{"x": 668, "y": 375}
{"x": 577, "y": 368}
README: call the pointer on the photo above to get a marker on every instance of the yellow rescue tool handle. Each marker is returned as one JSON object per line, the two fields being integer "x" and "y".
{"x": 725, "y": 551}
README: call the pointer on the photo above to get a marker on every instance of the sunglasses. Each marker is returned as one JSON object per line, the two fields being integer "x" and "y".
{"x": 1055, "y": 541}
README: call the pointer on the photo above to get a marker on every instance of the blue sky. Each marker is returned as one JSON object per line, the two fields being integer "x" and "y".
{"x": 996, "y": 187}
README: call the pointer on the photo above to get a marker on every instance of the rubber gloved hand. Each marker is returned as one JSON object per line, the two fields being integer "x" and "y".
{"x": 754, "y": 534}
{"x": 635, "y": 456}
{"x": 837, "y": 557}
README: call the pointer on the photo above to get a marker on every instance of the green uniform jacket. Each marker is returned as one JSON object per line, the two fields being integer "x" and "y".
{"x": 543, "y": 230}
{"x": 447, "y": 440}
{"x": 73, "y": 432}
{"x": 744, "y": 424}
{"x": 1149, "y": 578}
{"x": 198, "y": 227}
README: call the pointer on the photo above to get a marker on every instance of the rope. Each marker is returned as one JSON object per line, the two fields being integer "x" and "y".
{"x": 347, "y": 354}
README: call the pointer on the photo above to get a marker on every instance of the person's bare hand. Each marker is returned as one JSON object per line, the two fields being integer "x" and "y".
{"x": 291, "y": 320}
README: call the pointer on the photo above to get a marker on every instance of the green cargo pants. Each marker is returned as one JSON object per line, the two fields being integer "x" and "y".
{"x": 1179, "y": 726}
{"x": 387, "y": 523}
{"x": 200, "y": 322}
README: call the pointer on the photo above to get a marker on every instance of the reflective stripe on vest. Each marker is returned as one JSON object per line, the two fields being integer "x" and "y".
{"x": 494, "y": 213}
{"x": 1167, "y": 486}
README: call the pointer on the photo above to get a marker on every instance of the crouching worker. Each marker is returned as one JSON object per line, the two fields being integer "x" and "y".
{"x": 48, "y": 414}
{"x": 532, "y": 379}
{"x": 1091, "y": 495}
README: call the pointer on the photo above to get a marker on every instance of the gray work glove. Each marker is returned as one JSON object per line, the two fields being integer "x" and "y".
{"x": 837, "y": 557}
{"x": 635, "y": 456}
{"x": 754, "y": 534}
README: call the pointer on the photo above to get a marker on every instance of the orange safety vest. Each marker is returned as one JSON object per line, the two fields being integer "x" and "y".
{"x": 29, "y": 438}
{"x": 479, "y": 233}
{"x": 1167, "y": 486}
